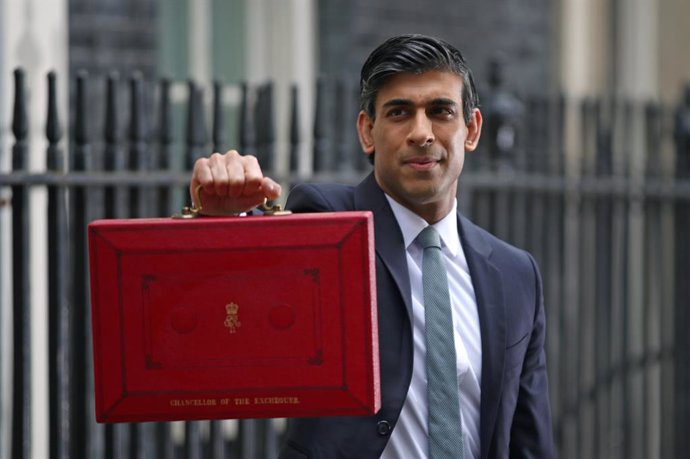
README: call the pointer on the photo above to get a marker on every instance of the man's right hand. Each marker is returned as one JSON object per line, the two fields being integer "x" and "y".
{"x": 230, "y": 184}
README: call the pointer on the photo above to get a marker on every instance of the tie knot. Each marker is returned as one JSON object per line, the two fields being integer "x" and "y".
{"x": 429, "y": 237}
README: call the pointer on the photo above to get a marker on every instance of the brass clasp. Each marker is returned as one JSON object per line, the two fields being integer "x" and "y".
{"x": 191, "y": 212}
{"x": 274, "y": 210}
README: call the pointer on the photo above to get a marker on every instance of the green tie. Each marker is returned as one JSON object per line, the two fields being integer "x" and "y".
{"x": 445, "y": 425}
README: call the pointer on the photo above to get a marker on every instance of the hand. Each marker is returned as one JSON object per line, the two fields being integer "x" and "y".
{"x": 231, "y": 184}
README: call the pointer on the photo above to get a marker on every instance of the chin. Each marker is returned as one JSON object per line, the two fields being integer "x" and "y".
{"x": 422, "y": 196}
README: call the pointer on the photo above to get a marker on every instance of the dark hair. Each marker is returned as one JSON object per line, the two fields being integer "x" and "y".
{"x": 414, "y": 54}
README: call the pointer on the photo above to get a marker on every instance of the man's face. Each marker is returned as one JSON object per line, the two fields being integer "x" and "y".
{"x": 420, "y": 138}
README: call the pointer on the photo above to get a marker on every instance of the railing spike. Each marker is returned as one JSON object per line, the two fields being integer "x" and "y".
{"x": 53, "y": 128}
{"x": 20, "y": 123}
{"x": 246, "y": 126}
{"x": 260, "y": 124}
{"x": 20, "y": 424}
{"x": 269, "y": 136}
{"x": 111, "y": 109}
{"x": 137, "y": 127}
{"x": 321, "y": 156}
{"x": 294, "y": 129}
{"x": 219, "y": 136}
{"x": 81, "y": 129}
{"x": 166, "y": 124}
{"x": 196, "y": 125}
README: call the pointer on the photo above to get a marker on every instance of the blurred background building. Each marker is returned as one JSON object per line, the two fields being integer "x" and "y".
{"x": 584, "y": 161}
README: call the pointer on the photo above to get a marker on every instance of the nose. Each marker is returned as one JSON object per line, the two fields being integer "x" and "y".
{"x": 421, "y": 131}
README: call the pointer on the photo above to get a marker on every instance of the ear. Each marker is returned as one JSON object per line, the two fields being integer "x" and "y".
{"x": 365, "y": 125}
{"x": 474, "y": 130}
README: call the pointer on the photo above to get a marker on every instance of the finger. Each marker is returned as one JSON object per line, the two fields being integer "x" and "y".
{"x": 270, "y": 189}
{"x": 252, "y": 177}
{"x": 201, "y": 175}
{"x": 219, "y": 171}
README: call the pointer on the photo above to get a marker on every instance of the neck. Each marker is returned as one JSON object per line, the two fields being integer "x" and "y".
{"x": 431, "y": 212}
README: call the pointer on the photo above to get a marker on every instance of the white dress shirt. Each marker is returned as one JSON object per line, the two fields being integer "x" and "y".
{"x": 409, "y": 438}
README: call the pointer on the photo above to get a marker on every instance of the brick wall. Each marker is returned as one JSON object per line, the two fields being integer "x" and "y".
{"x": 112, "y": 34}
{"x": 517, "y": 31}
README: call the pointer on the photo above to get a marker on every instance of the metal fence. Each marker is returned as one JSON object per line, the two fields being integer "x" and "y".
{"x": 606, "y": 217}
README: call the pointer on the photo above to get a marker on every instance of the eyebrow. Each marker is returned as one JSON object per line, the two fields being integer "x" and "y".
{"x": 443, "y": 101}
{"x": 407, "y": 102}
{"x": 397, "y": 102}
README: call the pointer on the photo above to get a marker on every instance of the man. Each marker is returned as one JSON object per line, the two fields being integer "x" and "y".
{"x": 419, "y": 115}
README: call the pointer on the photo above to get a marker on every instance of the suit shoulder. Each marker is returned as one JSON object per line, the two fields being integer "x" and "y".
{"x": 321, "y": 197}
{"x": 518, "y": 269}
{"x": 502, "y": 252}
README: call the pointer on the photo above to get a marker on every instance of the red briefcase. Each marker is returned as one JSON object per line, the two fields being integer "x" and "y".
{"x": 244, "y": 317}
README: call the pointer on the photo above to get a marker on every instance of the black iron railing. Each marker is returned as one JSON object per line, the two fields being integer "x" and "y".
{"x": 607, "y": 219}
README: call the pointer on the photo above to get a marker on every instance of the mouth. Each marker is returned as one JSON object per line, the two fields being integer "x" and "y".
{"x": 421, "y": 163}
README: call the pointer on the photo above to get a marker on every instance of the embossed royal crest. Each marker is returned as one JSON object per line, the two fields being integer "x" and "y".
{"x": 232, "y": 321}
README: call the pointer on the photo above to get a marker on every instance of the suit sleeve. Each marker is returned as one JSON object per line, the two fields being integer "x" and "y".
{"x": 531, "y": 431}
{"x": 313, "y": 198}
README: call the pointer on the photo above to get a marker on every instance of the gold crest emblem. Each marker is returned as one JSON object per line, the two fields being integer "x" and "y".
{"x": 232, "y": 322}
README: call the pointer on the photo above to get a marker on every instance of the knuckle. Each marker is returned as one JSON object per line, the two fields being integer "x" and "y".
{"x": 200, "y": 163}
{"x": 251, "y": 160}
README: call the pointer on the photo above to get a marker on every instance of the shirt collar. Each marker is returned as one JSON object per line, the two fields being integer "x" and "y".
{"x": 411, "y": 224}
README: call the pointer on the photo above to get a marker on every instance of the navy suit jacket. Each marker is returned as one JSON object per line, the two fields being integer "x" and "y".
{"x": 515, "y": 417}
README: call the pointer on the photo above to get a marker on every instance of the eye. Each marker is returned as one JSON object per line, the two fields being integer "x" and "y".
{"x": 442, "y": 111}
{"x": 396, "y": 112}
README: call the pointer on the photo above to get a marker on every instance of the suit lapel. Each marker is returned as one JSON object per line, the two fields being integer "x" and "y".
{"x": 488, "y": 289}
{"x": 389, "y": 243}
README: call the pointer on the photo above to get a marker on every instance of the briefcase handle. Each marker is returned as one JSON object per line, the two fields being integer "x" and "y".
{"x": 195, "y": 210}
